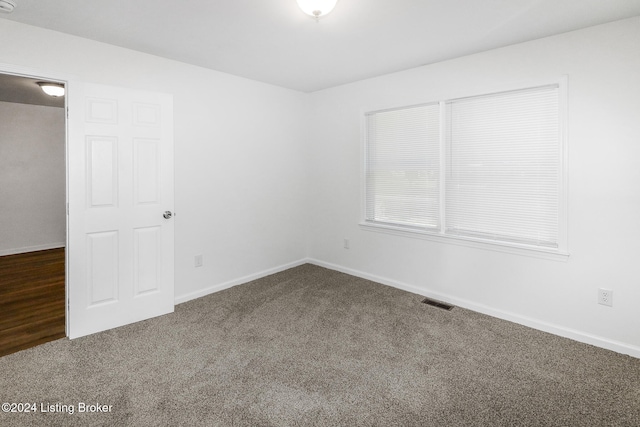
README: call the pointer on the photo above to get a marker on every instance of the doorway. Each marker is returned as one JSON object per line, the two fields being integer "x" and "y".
{"x": 33, "y": 211}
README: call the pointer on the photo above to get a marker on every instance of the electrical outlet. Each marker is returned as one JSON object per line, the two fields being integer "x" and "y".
{"x": 346, "y": 243}
{"x": 197, "y": 261}
{"x": 605, "y": 297}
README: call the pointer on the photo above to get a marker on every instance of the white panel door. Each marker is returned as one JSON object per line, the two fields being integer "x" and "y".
{"x": 120, "y": 248}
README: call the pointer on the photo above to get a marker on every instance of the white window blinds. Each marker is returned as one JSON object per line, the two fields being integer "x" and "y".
{"x": 403, "y": 167}
{"x": 484, "y": 168}
{"x": 503, "y": 166}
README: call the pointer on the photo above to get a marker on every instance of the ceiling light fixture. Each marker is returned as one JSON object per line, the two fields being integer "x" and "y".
{"x": 52, "y": 89}
{"x": 317, "y": 8}
{"x": 7, "y": 6}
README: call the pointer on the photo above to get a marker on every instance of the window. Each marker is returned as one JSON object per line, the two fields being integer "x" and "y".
{"x": 403, "y": 164}
{"x": 485, "y": 168}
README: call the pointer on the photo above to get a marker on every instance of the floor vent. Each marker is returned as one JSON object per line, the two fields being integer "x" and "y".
{"x": 439, "y": 304}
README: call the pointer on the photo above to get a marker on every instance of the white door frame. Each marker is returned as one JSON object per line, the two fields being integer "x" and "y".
{"x": 67, "y": 80}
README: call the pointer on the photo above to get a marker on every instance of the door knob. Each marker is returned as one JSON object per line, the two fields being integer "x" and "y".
{"x": 167, "y": 214}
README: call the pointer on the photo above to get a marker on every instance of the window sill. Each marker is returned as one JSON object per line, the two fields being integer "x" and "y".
{"x": 522, "y": 250}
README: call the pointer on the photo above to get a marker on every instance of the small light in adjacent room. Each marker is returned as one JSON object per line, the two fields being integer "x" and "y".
{"x": 7, "y": 6}
{"x": 317, "y": 8}
{"x": 52, "y": 89}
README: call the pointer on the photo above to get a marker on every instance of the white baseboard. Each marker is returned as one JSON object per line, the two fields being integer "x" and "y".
{"x": 216, "y": 288}
{"x": 573, "y": 334}
{"x": 26, "y": 249}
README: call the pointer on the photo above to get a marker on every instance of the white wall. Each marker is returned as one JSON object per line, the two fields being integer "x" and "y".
{"x": 238, "y": 183}
{"x": 32, "y": 178}
{"x": 603, "y": 68}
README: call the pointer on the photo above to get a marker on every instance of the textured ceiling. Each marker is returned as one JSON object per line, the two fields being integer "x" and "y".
{"x": 274, "y": 42}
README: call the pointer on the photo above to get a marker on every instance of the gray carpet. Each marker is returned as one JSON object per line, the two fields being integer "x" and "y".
{"x": 314, "y": 347}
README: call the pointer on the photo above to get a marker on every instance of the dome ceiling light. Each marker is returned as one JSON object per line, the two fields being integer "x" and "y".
{"x": 52, "y": 89}
{"x": 317, "y": 8}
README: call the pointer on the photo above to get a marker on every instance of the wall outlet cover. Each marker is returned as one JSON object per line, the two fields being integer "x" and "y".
{"x": 605, "y": 297}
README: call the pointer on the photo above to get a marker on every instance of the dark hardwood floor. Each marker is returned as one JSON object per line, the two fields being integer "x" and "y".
{"x": 32, "y": 299}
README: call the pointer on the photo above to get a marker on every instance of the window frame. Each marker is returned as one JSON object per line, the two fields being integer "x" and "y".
{"x": 561, "y": 253}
